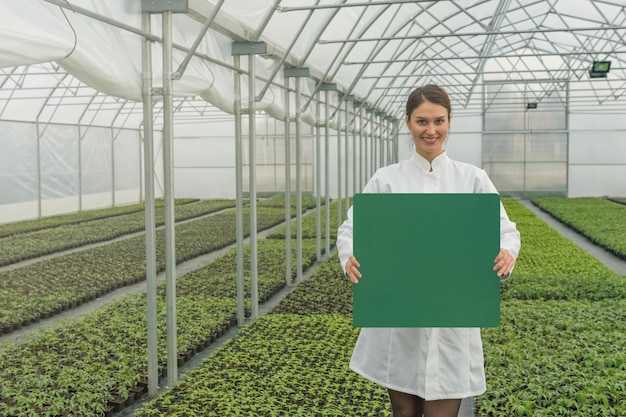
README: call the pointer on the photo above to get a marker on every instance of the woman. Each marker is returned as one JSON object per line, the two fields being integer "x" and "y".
{"x": 427, "y": 371}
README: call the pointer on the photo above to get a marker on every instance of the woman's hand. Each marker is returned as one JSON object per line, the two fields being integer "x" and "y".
{"x": 504, "y": 263}
{"x": 352, "y": 269}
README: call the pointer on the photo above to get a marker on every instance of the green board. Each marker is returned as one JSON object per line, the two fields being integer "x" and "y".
{"x": 427, "y": 260}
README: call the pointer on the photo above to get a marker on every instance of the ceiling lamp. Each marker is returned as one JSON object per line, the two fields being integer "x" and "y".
{"x": 599, "y": 69}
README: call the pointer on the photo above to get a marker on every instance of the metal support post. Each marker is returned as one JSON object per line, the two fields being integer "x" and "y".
{"x": 298, "y": 73}
{"x": 327, "y": 88}
{"x": 327, "y": 170}
{"x": 347, "y": 99}
{"x": 170, "y": 247}
{"x": 381, "y": 139}
{"x": 239, "y": 232}
{"x": 318, "y": 182}
{"x": 80, "y": 169}
{"x": 369, "y": 140}
{"x": 339, "y": 181}
{"x": 354, "y": 155}
{"x": 387, "y": 142}
{"x": 361, "y": 181}
{"x": 298, "y": 184}
{"x": 288, "y": 274}
{"x": 251, "y": 49}
{"x": 372, "y": 165}
{"x": 254, "y": 278}
{"x": 150, "y": 216}
{"x": 166, "y": 8}
{"x": 346, "y": 204}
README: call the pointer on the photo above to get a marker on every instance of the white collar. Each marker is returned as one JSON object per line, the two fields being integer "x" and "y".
{"x": 439, "y": 162}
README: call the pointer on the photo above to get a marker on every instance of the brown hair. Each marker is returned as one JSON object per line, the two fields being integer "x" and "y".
{"x": 431, "y": 93}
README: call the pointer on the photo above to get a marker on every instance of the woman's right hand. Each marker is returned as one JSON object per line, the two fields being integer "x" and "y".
{"x": 352, "y": 269}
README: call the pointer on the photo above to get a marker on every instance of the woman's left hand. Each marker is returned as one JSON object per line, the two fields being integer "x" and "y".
{"x": 504, "y": 263}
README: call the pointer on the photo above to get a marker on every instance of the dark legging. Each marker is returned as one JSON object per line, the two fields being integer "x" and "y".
{"x": 408, "y": 405}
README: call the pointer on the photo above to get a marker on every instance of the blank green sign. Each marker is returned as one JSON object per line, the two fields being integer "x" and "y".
{"x": 426, "y": 260}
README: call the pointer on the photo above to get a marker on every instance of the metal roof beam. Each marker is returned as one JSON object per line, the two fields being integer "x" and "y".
{"x": 321, "y": 30}
{"x": 489, "y": 44}
{"x": 374, "y": 52}
{"x": 566, "y": 70}
{"x": 485, "y": 33}
{"x": 286, "y": 53}
{"x": 477, "y": 57}
{"x": 358, "y": 4}
{"x": 205, "y": 28}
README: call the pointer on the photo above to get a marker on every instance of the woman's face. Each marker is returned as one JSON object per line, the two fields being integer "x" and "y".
{"x": 429, "y": 124}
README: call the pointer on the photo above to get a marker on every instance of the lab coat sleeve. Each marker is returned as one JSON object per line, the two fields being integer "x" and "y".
{"x": 510, "y": 238}
{"x": 344, "y": 240}
{"x": 344, "y": 233}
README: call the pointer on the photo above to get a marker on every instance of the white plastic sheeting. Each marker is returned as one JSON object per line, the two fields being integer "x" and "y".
{"x": 68, "y": 168}
{"x": 108, "y": 58}
{"x": 374, "y": 50}
{"x": 78, "y": 62}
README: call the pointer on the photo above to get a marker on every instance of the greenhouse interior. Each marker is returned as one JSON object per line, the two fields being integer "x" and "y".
{"x": 173, "y": 175}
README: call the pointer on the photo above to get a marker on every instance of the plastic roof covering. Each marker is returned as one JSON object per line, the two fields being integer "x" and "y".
{"x": 79, "y": 61}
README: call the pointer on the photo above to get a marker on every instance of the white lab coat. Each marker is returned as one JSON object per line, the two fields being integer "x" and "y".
{"x": 432, "y": 363}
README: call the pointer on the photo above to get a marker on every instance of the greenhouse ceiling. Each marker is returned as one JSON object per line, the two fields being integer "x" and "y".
{"x": 80, "y": 61}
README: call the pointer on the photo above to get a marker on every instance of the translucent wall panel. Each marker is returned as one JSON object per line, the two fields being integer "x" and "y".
{"x": 126, "y": 162}
{"x": 96, "y": 160}
{"x": 200, "y": 152}
{"x": 592, "y": 118}
{"x": 546, "y": 147}
{"x": 506, "y": 106}
{"x": 205, "y": 183}
{"x": 406, "y": 148}
{"x": 54, "y": 169}
{"x": 18, "y": 167}
{"x": 508, "y": 177}
{"x": 59, "y": 159}
{"x": 597, "y": 180}
{"x": 598, "y": 148}
{"x": 547, "y": 177}
{"x": 547, "y": 116}
{"x": 270, "y": 164}
{"x": 204, "y": 167}
{"x": 503, "y": 147}
{"x": 504, "y": 120}
{"x": 465, "y": 147}
{"x": 526, "y": 162}
{"x": 597, "y": 162}
{"x": 527, "y": 151}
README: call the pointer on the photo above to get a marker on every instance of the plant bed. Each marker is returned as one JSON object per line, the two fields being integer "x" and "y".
{"x": 602, "y": 221}
{"x": 550, "y": 266}
{"x": 556, "y": 358}
{"x": 279, "y": 365}
{"x": 51, "y": 284}
{"x": 72, "y": 218}
{"x": 82, "y": 360}
{"x": 22, "y": 246}
{"x": 106, "y": 349}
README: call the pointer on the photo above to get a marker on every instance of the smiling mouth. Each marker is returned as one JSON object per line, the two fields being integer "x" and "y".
{"x": 430, "y": 141}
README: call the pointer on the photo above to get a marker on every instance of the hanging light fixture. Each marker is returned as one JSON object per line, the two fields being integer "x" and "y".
{"x": 599, "y": 69}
